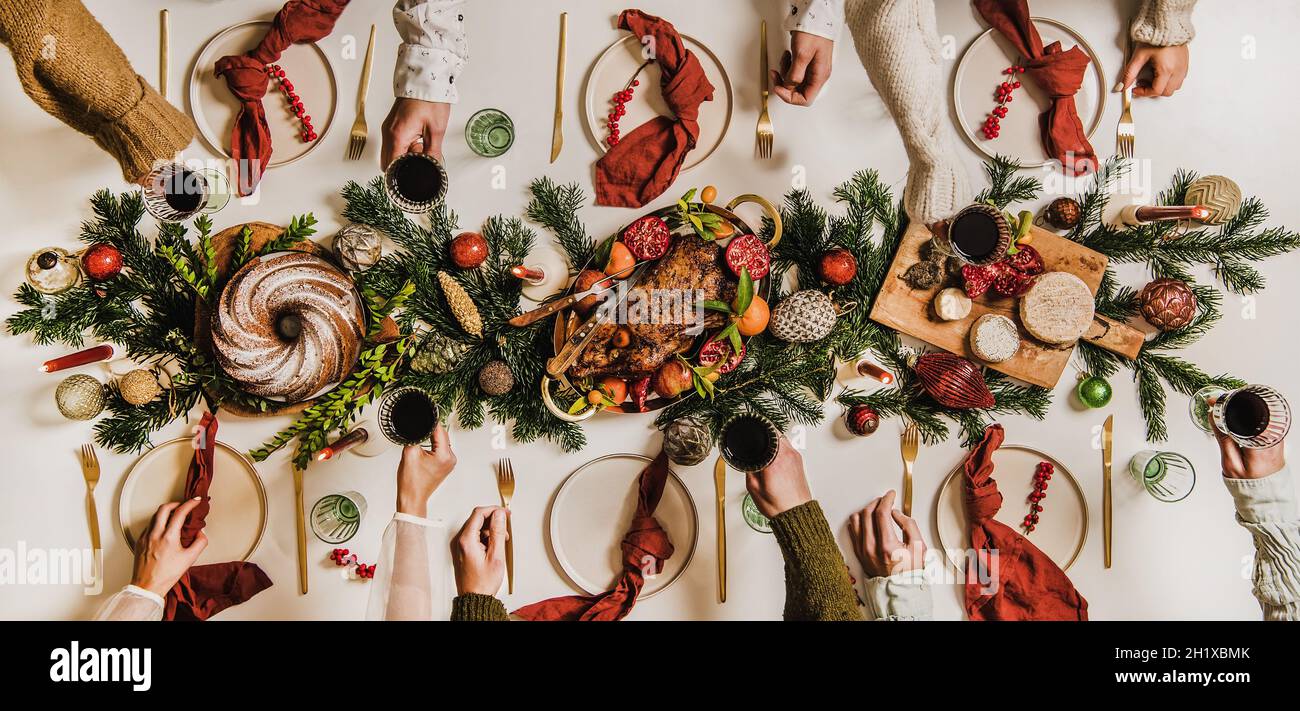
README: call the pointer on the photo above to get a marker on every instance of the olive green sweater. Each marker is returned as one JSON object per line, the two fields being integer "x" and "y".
{"x": 817, "y": 585}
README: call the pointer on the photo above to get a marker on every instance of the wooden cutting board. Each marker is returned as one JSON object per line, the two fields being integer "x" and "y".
{"x": 908, "y": 310}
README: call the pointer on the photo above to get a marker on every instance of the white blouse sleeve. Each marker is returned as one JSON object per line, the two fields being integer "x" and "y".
{"x": 823, "y": 18}
{"x": 410, "y": 580}
{"x": 434, "y": 49}
{"x": 902, "y": 596}
{"x": 1267, "y": 508}
{"x": 132, "y": 604}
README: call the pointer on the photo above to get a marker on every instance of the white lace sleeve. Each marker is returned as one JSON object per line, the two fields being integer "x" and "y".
{"x": 410, "y": 580}
{"x": 434, "y": 49}
{"x": 132, "y": 604}
{"x": 823, "y": 18}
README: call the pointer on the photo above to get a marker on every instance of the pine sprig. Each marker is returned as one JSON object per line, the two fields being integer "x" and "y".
{"x": 555, "y": 207}
{"x": 1005, "y": 187}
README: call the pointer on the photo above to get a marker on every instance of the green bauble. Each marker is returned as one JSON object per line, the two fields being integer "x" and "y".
{"x": 1094, "y": 391}
{"x": 437, "y": 355}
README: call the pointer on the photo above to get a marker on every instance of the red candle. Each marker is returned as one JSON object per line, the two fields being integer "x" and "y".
{"x": 354, "y": 437}
{"x": 72, "y": 360}
{"x": 530, "y": 274}
{"x": 871, "y": 370}
{"x": 1143, "y": 214}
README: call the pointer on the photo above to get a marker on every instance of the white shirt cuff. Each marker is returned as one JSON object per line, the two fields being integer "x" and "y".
{"x": 823, "y": 18}
{"x": 1270, "y": 499}
{"x": 147, "y": 594}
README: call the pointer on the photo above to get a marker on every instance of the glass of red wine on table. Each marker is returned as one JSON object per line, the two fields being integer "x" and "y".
{"x": 749, "y": 443}
{"x": 175, "y": 193}
{"x": 1255, "y": 416}
{"x": 416, "y": 183}
{"x": 978, "y": 235}
{"x": 408, "y": 416}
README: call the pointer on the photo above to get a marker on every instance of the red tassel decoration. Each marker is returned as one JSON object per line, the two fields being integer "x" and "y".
{"x": 953, "y": 381}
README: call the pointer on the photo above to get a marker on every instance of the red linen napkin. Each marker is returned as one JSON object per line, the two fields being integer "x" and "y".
{"x": 645, "y": 162}
{"x": 1027, "y": 584}
{"x": 1057, "y": 72}
{"x": 247, "y": 77}
{"x": 645, "y": 548}
{"x": 206, "y": 590}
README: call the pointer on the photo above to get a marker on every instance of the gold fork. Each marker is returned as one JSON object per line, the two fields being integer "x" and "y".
{"x": 911, "y": 442}
{"x": 764, "y": 121}
{"x": 506, "y": 487}
{"x": 357, "y": 141}
{"x": 90, "y": 470}
{"x": 1126, "y": 131}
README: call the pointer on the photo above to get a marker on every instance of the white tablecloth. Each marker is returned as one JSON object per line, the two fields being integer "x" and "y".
{"x": 1235, "y": 116}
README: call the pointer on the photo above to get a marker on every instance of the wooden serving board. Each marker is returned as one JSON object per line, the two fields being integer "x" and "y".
{"x": 908, "y": 310}
{"x": 225, "y": 243}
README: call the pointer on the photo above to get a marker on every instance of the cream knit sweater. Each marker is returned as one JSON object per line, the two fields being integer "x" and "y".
{"x": 898, "y": 43}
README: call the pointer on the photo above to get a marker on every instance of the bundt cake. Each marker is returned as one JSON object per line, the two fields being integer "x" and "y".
{"x": 287, "y": 326}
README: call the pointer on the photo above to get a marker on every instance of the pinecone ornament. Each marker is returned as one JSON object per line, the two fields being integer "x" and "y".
{"x": 462, "y": 307}
{"x": 1168, "y": 304}
{"x": 437, "y": 355}
{"x": 803, "y": 317}
{"x": 1063, "y": 213}
{"x": 953, "y": 381}
{"x": 687, "y": 441}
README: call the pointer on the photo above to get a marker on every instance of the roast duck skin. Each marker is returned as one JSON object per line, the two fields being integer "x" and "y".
{"x": 690, "y": 273}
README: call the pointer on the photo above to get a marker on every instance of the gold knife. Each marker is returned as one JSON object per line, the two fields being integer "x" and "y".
{"x": 720, "y": 485}
{"x": 1105, "y": 484}
{"x": 164, "y": 52}
{"x": 557, "y": 138}
{"x": 301, "y": 519}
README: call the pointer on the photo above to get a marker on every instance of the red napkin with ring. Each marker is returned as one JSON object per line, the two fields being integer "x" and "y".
{"x": 1057, "y": 72}
{"x": 1020, "y": 581}
{"x": 644, "y": 164}
{"x": 645, "y": 548}
{"x": 247, "y": 77}
{"x": 205, "y": 590}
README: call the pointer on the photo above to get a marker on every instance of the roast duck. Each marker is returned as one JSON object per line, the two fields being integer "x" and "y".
{"x": 691, "y": 272}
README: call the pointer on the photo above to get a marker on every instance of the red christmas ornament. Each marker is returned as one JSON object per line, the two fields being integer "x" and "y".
{"x": 1042, "y": 475}
{"x": 838, "y": 267}
{"x": 469, "y": 250}
{"x": 102, "y": 262}
{"x": 862, "y": 420}
{"x": 953, "y": 381}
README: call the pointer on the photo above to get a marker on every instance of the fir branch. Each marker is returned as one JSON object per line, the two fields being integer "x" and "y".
{"x": 1005, "y": 187}
{"x": 555, "y": 207}
{"x": 127, "y": 428}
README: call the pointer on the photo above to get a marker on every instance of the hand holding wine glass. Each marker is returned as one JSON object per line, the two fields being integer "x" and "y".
{"x": 1245, "y": 463}
{"x": 421, "y": 472}
{"x": 782, "y": 485}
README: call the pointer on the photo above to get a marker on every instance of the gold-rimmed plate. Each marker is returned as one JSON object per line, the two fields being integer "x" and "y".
{"x": 237, "y": 520}
{"x": 1062, "y": 526}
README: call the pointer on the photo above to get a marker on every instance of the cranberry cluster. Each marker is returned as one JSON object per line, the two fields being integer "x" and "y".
{"x": 619, "y": 111}
{"x": 1042, "y": 475}
{"x": 295, "y": 103}
{"x": 343, "y": 558}
{"x": 1003, "y": 96}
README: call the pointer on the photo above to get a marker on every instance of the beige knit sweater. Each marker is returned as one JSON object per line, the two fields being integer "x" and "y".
{"x": 72, "y": 69}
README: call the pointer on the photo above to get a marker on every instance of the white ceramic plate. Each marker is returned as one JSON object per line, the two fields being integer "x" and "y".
{"x": 615, "y": 67}
{"x": 979, "y": 71}
{"x": 214, "y": 108}
{"x": 1062, "y": 526}
{"x": 591, "y": 512}
{"x": 237, "y": 519}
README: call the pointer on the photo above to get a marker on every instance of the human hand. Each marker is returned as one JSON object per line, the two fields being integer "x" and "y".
{"x": 1168, "y": 63}
{"x": 478, "y": 553}
{"x": 1244, "y": 463}
{"x": 878, "y": 547}
{"x": 161, "y": 560}
{"x": 414, "y": 126}
{"x": 804, "y": 69}
{"x": 782, "y": 485}
{"x": 421, "y": 472}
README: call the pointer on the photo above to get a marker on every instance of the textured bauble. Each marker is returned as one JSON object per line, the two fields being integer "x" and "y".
{"x": 687, "y": 441}
{"x": 80, "y": 397}
{"x": 462, "y": 307}
{"x": 358, "y": 247}
{"x": 52, "y": 271}
{"x": 496, "y": 379}
{"x": 139, "y": 386}
{"x": 278, "y": 294}
{"x": 804, "y": 316}
{"x": 1093, "y": 392}
{"x": 1219, "y": 194}
{"x": 953, "y": 381}
{"x": 469, "y": 250}
{"x": 1168, "y": 304}
{"x": 101, "y": 262}
{"x": 862, "y": 420}
{"x": 1063, "y": 213}
{"x": 437, "y": 355}
{"x": 838, "y": 267}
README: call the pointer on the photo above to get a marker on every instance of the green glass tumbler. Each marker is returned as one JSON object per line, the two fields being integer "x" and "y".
{"x": 335, "y": 518}
{"x": 490, "y": 133}
{"x": 1167, "y": 476}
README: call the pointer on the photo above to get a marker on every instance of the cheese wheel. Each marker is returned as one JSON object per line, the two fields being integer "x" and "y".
{"x": 994, "y": 338}
{"x": 1057, "y": 309}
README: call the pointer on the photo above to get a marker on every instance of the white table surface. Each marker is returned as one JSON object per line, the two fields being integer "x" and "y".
{"x": 1234, "y": 116}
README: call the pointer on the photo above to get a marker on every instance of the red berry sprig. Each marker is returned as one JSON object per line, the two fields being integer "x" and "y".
{"x": 619, "y": 109}
{"x": 295, "y": 103}
{"x": 343, "y": 558}
{"x": 1002, "y": 95}
{"x": 1042, "y": 475}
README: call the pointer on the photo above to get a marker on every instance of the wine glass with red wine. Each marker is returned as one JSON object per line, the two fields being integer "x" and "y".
{"x": 175, "y": 193}
{"x": 408, "y": 416}
{"x": 416, "y": 183}
{"x": 1255, "y": 417}
{"x": 979, "y": 234}
{"x": 749, "y": 442}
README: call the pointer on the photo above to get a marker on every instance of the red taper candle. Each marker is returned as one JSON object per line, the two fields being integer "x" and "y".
{"x": 90, "y": 355}
{"x": 868, "y": 369}
{"x": 354, "y": 437}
